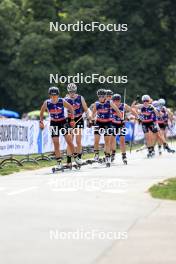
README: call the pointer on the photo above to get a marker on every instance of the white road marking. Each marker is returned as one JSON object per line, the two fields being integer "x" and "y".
{"x": 23, "y": 190}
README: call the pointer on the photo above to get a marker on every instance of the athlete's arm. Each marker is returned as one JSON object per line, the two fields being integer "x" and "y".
{"x": 157, "y": 113}
{"x": 170, "y": 114}
{"x": 128, "y": 108}
{"x": 137, "y": 106}
{"x": 69, "y": 107}
{"x": 116, "y": 109}
{"x": 135, "y": 102}
{"x": 94, "y": 111}
{"x": 42, "y": 110}
{"x": 132, "y": 110}
{"x": 84, "y": 105}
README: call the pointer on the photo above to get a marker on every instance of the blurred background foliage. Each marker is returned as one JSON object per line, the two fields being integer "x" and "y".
{"x": 29, "y": 52}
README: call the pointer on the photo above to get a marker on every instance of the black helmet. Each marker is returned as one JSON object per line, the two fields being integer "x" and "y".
{"x": 53, "y": 91}
{"x": 116, "y": 97}
{"x": 101, "y": 92}
{"x": 109, "y": 92}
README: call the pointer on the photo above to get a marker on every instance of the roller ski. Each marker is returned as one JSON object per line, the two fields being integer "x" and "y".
{"x": 153, "y": 151}
{"x": 69, "y": 165}
{"x": 168, "y": 149}
{"x": 124, "y": 158}
{"x": 66, "y": 167}
{"x": 59, "y": 166}
{"x": 107, "y": 161}
{"x": 96, "y": 156}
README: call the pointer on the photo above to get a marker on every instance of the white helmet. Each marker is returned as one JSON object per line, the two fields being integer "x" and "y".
{"x": 155, "y": 103}
{"x": 162, "y": 102}
{"x": 71, "y": 87}
{"x": 146, "y": 98}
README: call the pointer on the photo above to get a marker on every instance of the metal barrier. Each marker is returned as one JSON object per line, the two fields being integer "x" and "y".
{"x": 10, "y": 159}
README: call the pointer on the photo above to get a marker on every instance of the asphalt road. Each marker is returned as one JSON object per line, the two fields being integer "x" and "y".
{"x": 95, "y": 215}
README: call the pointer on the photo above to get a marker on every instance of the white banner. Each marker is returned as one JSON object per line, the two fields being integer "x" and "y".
{"x": 20, "y": 137}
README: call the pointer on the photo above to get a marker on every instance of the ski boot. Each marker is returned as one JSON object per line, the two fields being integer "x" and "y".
{"x": 69, "y": 162}
{"x": 77, "y": 159}
{"x": 169, "y": 150}
{"x": 96, "y": 156}
{"x": 124, "y": 158}
{"x": 150, "y": 152}
{"x": 113, "y": 156}
{"x": 59, "y": 166}
{"x": 159, "y": 150}
{"x": 108, "y": 160}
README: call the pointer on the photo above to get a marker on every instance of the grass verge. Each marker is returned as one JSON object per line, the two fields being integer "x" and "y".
{"x": 164, "y": 190}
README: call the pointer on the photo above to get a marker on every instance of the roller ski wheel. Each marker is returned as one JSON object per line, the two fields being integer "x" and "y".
{"x": 153, "y": 153}
{"x": 107, "y": 160}
{"x": 90, "y": 162}
{"x": 57, "y": 169}
{"x": 53, "y": 170}
{"x": 149, "y": 155}
{"x": 112, "y": 158}
{"x": 68, "y": 166}
{"x": 101, "y": 160}
{"x": 125, "y": 162}
{"x": 77, "y": 167}
{"x": 108, "y": 165}
{"x": 171, "y": 151}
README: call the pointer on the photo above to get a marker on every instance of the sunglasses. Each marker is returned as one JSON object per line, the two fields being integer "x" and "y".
{"x": 146, "y": 101}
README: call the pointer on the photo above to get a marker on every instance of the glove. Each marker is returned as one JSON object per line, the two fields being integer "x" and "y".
{"x": 137, "y": 98}
{"x": 93, "y": 122}
{"x": 90, "y": 123}
{"x": 139, "y": 119}
{"x": 41, "y": 125}
{"x": 72, "y": 123}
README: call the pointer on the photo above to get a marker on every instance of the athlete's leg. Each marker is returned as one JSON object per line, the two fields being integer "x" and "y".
{"x": 68, "y": 139}
{"x": 149, "y": 139}
{"x": 122, "y": 144}
{"x": 161, "y": 132}
{"x": 107, "y": 147}
{"x": 56, "y": 147}
{"x": 96, "y": 142}
{"x": 160, "y": 137}
{"x": 79, "y": 141}
{"x": 113, "y": 143}
{"x": 69, "y": 151}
